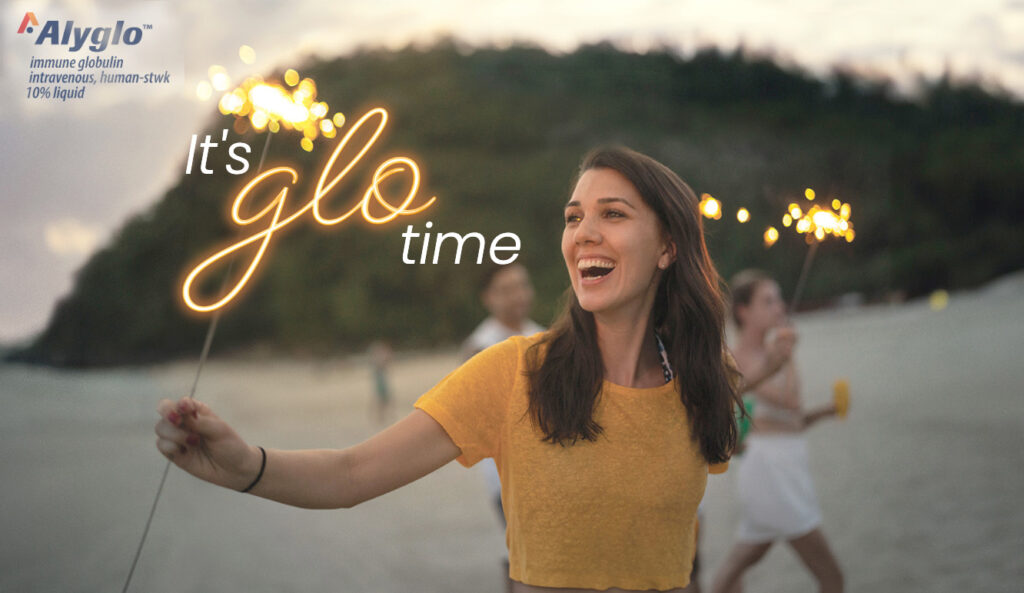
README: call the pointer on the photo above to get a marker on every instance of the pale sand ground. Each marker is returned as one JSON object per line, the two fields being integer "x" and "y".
{"x": 921, "y": 488}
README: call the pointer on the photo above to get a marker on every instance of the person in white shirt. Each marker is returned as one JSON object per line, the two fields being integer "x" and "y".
{"x": 507, "y": 294}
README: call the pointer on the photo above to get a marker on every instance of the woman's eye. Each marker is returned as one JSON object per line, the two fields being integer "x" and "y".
{"x": 614, "y": 214}
{"x": 572, "y": 218}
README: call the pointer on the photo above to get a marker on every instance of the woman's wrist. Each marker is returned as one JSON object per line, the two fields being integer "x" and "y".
{"x": 251, "y": 472}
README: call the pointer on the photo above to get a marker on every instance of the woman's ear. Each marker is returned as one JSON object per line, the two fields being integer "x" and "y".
{"x": 668, "y": 255}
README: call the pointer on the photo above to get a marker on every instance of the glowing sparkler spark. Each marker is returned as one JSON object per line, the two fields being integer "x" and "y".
{"x": 820, "y": 222}
{"x": 271, "y": 106}
{"x": 771, "y": 235}
{"x": 710, "y": 207}
{"x": 275, "y": 216}
{"x": 742, "y": 215}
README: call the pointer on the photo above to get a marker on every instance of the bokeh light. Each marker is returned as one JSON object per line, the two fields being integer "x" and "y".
{"x": 938, "y": 300}
{"x": 204, "y": 90}
{"x": 219, "y": 78}
{"x": 710, "y": 207}
{"x": 247, "y": 54}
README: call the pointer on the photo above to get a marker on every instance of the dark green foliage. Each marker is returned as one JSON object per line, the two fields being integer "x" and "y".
{"x": 936, "y": 185}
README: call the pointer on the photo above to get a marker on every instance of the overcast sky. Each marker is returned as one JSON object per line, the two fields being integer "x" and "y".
{"x": 74, "y": 171}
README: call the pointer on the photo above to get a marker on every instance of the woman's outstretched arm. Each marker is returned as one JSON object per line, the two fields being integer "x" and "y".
{"x": 820, "y": 413}
{"x": 202, "y": 444}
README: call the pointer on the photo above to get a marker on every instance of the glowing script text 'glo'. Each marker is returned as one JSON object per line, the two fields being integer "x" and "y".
{"x": 274, "y": 211}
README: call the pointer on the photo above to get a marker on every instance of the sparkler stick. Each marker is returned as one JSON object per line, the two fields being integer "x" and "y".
{"x": 802, "y": 280}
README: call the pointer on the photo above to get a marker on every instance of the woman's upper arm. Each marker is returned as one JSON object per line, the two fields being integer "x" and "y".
{"x": 406, "y": 451}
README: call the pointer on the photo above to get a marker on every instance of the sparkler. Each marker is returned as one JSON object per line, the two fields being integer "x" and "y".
{"x": 273, "y": 106}
{"x": 263, "y": 106}
{"x": 817, "y": 224}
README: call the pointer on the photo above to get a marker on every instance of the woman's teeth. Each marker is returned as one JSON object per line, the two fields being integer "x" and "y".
{"x": 591, "y": 267}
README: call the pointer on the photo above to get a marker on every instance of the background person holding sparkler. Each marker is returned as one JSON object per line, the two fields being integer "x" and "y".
{"x": 380, "y": 356}
{"x": 777, "y": 353}
{"x": 604, "y": 428}
{"x": 776, "y": 492}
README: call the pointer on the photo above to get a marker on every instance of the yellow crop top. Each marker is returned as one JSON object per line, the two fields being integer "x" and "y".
{"x": 616, "y": 512}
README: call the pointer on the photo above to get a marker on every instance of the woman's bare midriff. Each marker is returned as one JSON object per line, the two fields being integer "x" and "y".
{"x": 773, "y": 426}
{"x": 518, "y": 587}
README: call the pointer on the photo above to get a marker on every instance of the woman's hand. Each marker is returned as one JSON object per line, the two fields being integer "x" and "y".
{"x": 780, "y": 350}
{"x": 199, "y": 442}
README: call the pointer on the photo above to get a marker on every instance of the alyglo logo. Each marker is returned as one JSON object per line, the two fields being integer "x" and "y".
{"x": 76, "y": 37}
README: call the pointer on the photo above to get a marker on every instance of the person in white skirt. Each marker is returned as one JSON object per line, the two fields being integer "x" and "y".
{"x": 774, "y": 485}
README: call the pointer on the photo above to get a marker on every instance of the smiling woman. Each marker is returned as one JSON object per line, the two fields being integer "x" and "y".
{"x": 613, "y": 245}
{"x": 603, "y": 429}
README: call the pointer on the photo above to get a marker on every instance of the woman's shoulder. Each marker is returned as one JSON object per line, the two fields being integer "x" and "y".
{"x": 524, "y": 342}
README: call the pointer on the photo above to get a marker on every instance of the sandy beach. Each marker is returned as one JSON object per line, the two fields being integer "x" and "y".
{"x": 920, "y": 487}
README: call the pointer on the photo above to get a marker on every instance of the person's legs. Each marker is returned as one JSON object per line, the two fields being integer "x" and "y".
{"x": 817, "y": 556}
{"x": 728, "y": 578}
{"x": 504, "y": 525}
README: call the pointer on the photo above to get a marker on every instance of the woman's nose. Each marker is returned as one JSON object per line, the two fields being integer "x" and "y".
{"x": 587, "y": 231}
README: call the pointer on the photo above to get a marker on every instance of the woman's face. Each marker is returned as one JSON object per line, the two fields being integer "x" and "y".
{"x": 613, "y": 244}
{"x": 509, "y": 296}
{"x": 766, "y": 309}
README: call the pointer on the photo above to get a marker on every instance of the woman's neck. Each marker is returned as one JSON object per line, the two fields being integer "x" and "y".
{"x": 628, "y": 352}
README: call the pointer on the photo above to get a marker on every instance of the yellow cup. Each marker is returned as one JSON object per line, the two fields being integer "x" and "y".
{"x": 841, "y": 397}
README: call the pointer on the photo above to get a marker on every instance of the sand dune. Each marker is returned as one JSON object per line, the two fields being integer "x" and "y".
{"x": 920, "y": 487}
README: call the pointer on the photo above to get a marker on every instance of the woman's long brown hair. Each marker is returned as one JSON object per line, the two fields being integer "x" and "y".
{"x": 689, "y": 316}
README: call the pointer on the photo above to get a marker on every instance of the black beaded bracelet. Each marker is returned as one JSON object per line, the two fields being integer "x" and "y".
{"x": 263, "y": 465}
